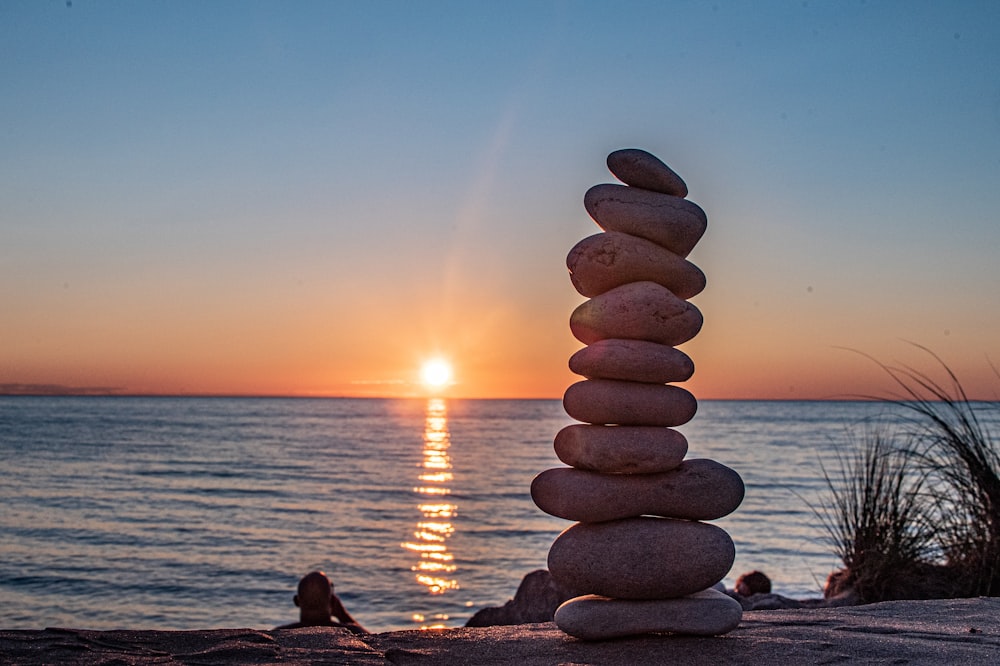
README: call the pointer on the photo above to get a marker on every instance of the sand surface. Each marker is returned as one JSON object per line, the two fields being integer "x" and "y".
{"x": 959, "y": 631}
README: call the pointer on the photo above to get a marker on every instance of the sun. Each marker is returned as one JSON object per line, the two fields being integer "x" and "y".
{"x": 435, "y": 373}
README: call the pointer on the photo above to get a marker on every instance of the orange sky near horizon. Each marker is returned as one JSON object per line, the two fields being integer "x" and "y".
{"x": 342, "y": 348}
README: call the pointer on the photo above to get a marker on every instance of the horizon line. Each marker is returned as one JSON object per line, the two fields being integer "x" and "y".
{"x": 279, "y": 396}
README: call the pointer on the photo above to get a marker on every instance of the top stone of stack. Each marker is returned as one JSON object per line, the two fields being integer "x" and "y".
{"x": 638, "y": 168}
{"x": 650, "y": 205}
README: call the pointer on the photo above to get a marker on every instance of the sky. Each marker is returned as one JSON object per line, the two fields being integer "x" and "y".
{"x": 315, "y": 198}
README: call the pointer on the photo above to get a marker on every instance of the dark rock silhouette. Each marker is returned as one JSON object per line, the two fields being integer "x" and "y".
{"x": 536, "y": 600}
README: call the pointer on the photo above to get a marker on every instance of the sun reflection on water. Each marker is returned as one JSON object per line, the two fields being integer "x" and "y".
{"x": 436, "y": 565}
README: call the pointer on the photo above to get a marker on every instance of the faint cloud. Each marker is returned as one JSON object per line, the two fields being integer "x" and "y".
{"x": 57, "y": 389}
{"x": 378, "y": 382}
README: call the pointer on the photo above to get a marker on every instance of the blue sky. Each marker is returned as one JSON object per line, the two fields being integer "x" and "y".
{"x": 309, "y": 197}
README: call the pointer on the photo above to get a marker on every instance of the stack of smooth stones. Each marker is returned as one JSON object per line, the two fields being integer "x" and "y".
{"x": 641, "y": 556}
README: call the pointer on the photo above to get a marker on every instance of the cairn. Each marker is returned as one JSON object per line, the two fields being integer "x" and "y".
{"x": 640, "y": 556}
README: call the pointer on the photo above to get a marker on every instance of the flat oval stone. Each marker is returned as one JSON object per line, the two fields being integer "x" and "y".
{"x": 594, "y": 618}
{"x": 636, "y": 311}
{"x": 698, "y": 489}
{"x": 612, "y": 402}
{"x": 632, "y": 360}
{"x": 641, "y": 558}
{"x": 641, "y": 169}
{"x": 676, "y": 224}
{"x": 620, "y": 449}
{"x": 610, "y": 259}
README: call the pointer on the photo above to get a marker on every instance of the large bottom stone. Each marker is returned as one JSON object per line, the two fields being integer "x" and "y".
{"x": 593, "y": 618}
{"x": 641, "y": 558}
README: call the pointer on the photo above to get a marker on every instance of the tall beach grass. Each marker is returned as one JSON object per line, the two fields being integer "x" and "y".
{"x": 878, "y": 525}
{"x": 916, "y": 513}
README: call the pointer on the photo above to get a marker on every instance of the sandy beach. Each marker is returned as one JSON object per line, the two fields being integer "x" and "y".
{"x": 958, "y": 631}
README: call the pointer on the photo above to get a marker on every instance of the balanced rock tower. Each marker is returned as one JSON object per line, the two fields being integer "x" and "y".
{"x": 641, "y": 556}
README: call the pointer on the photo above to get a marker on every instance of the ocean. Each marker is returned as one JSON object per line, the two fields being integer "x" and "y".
{"x": 193, "y": 513}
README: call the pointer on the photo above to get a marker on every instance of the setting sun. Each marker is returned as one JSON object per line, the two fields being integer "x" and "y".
{"x": 435, "y": 373}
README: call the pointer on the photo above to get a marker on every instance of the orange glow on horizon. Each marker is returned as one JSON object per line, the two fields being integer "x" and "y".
{"x": 506, "y": 353}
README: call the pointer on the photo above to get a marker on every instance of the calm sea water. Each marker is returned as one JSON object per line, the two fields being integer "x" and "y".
{"x": 189, "y": 513}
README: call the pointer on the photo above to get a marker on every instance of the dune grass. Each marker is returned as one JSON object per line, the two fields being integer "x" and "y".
{"x": 877, "y": 522}
{"x": 953, "y": 446}
{"x": 916, "y": 514}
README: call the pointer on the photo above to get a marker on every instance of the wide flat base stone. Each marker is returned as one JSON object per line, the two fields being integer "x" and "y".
{"x": 594, "y": 618}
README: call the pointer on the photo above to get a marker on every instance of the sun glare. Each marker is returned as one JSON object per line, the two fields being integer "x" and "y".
{"x": 435, "y": 373}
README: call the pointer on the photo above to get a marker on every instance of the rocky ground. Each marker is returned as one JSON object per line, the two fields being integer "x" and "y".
{"x": 957, "y": 631}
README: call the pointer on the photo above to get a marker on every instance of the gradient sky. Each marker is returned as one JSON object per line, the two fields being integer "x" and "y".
{"x": 311, "y": 198}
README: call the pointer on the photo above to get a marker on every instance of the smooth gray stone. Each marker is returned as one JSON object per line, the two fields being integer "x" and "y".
{"x": 676, "y": 224}
{"x": 636, "y": 311}
{"x": 698, "y": 489}
{"x": 620, "y": 449}
{"x": 632, "y": 360}
{"x": 612, "y": 402}
{"x": 641, "y": 558}
{"x": 595, "y": 618}
{"x": 610, "y": 259}
{"x": 638, "y": 168}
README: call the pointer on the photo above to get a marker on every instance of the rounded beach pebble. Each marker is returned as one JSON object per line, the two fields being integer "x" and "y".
{"x": 610, "y": 259}
{"x": 632, "y": 360}
{"x": 641, "y": 558}
{"x": 593, "y": 618}
{"x": 676, "y": 224}
{"x": 697, "y": 489}
{"x": 636, "y": 311}
{"x": 638, "y": 168}
{"x": 620, "y": 449}
{"x": 611, "y": 402}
